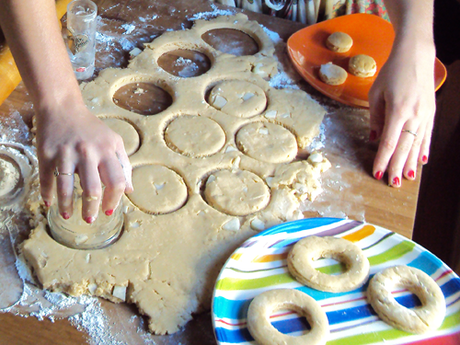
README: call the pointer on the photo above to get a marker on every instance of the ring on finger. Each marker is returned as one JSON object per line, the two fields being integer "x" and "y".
{"x": 57, "y": 173}
{"x": 410, "y": 132}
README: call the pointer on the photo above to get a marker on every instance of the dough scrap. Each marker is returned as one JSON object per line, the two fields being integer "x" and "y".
{"x": 174, "y": 244}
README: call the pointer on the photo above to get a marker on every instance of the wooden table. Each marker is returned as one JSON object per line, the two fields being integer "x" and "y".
{"x": 346, "y": 147}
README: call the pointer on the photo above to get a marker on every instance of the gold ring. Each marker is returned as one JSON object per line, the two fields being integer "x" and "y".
{"x": 57, "y": 173}
{"x": 410, "y": 132}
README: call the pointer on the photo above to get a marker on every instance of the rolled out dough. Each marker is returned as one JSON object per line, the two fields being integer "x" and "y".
{"x": 180, "y": 226}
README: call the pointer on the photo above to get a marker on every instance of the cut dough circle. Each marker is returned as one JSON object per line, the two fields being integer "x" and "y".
{"x": 9, "y": 177}
{"x": 238, "y": 98}
{"x": 194, "y": 136}
{"x": 267, "y": 142}
{"x": 237, "y": 193}
{"x": 127, "y": 132}
{"x": 268, "y": 302}
{"x": 339, "y": 42}
{"x": 157, "y": 189}
{"x": 311, "y": 248}
{"x": 416, "y": 320}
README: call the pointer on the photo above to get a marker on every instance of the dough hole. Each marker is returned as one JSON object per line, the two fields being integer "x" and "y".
{"x": 194, "y": 136}
{"x": 267, "y": 142}
{"x": 231, "y": 41}
{"x": 185, "y": 63}
{"x": 236, "y": 193}
{"x": 157, "y": 189}
{"x": 142, "y": 98}
{"x": 128, "y": 133}
{"x": 238, "y": 98}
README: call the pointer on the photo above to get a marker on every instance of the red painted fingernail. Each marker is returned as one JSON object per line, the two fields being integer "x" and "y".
{"x": 47, "y": 203}
{"x": 378, "y": 175}
{"x": 372, "y": 135}
{"x": 65, "y": 215}
{"x": 425, "y": 159}
{"x": 396, "y": 181}
{"x": 411, "y": 174}
{"x": 89, "y": 220}
{"x": 108, "y": 212}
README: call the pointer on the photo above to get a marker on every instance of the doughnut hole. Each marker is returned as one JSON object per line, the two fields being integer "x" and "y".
{"x": 288, "y": 321}
{"x": 142, "y": 98}
{"x": 328, "y": 265}
{"x": 129, "y": 134}
{"x": 238, "y": 98}
{"x": 231, "y": 41}
{"x": 194, "y": 136}
{"x": 185, "y": 63}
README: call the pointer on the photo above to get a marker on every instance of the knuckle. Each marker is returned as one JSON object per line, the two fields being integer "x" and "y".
{"x": 389, "y": 144}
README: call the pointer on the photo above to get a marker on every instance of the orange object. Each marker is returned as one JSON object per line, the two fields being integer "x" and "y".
{"x": 371, "y": 35}
{"x": 9, "y": 74}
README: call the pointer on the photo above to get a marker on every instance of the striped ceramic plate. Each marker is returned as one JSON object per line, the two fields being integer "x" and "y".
{"x": 260, "y": 265}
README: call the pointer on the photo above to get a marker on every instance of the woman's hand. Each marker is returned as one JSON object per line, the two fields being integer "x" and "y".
{"x": 72, "y": 140}
{"x": 402, "y": 107}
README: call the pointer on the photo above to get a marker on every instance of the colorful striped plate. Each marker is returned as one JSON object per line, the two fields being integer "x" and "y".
{"x": 260, "y": 265}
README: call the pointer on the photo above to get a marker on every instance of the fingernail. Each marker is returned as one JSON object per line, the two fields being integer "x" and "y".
{"x": 378, "y": 175}
{"x": 425, "y": 159}
{"x": 411, "y": 174}
{"x": 372, "y": 135}
{"x": 90, "y": 220}
{"x": 108, "y": 212}
{"x": 65, "y": 215}
{"x": 47, "y": 203}
{"x": 396, "y": 181}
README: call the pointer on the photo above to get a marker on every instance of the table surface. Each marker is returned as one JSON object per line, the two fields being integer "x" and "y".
{"x": 346, "y": 146}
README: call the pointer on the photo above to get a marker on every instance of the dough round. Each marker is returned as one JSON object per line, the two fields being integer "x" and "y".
{"x": 362, "y": 66}
{"x": 268, "y": 302}
{"x": 129, "y": 134}
{"x": 157, "y": 189}
{"x": 415, "y": 320}
{"x": 339, "y": 42}
{"x": 267, "y": 142}
{"x": 311, "y": 248}
{"x": 238, "y": 98}
{"x": 194, "y": 136}
{"x": 9, "y": 177}
{"x": 236, "y": 193}
{"x": 332, "y": 74}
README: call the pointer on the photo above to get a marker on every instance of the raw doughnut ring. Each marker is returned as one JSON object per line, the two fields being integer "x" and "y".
{"x": 263, "y": 305}
{"x": 311, "y": 248}
{"x": 417, "y": 320}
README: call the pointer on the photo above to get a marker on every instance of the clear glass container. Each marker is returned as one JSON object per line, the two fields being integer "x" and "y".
{"x": 76, "y": 233}
{"x": 81, "y": 37}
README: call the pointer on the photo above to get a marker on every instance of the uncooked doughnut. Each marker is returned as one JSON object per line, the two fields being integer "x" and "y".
{"x": 339, "y": 42}
{"x": 362, "y": 66}
{"x": 268, "y": 302}
{"x": 415, "y": 320}
{"x": 332, "y": 74}
{"x": 311, "y": 248}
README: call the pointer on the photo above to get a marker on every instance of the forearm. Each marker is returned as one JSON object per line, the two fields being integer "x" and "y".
{"x": 412, "y": 21}
{"x": 33, "y": 34}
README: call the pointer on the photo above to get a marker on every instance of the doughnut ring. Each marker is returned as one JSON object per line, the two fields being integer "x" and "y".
{"x": 263, "y": 305}
{"x": 311, "y": 248}
{"x": 416, "y": 320}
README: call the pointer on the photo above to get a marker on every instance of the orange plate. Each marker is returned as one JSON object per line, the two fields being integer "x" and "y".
{"x": 371, "y": 35}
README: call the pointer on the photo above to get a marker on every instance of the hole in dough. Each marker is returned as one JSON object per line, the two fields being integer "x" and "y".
{"x": 185, "y": 63}
{"x": 194, "y": 136}
{"x": 231, "y": 41}
{"x": 298, "y": 323}
{"x": 237, "y": 193}
{"x": 11, "y": 181}
{"x": 129, "y": 134}
{"x": 238, "y": 98}
{"x": 267, "y": 142}
{"x": 142, "y": 98}
{"x": 157, "y": 189}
